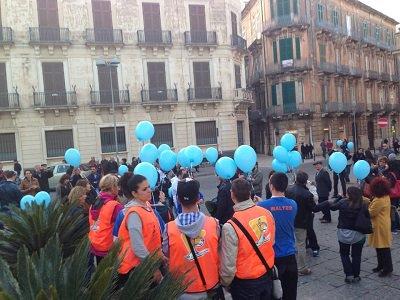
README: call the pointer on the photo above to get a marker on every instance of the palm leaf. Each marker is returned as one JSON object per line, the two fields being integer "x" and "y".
{"x": 8, "y": 284}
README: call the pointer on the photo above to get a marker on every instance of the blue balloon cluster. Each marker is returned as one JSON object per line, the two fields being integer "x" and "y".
{"x": 40, "y": 198}
{"x": 194, "y": 154}
{"x": 148, "y": 153}
{"x": 225, "y": 167}
{"x": 245, "y": 158}
{"x": 149, "y": 171}
{"x": 339, "y": 143}
{"x": 288, "y": 141}
{"x": 167, "y": 160}
{"x": 144, "y": 131}
{"x": 350, "y": 146}
{"x": 284, "y": 155}
{"x": 211, "y": 155}
{"x": 73, "y": 157}
{"x": 337, "y": 162}
{"x": 162, "y": 148}
{"x": 361, "y": 169}
{"x": 122, "y": 169}
{"x": 183, "y": 160}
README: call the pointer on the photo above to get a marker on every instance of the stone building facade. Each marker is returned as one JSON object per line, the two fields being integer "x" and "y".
{"x": 321, "y": 69}
{"x": 180, "y": 66}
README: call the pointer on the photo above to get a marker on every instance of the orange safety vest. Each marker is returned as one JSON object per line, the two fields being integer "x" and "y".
{"x": 151, "y": 237}
{"x": 206, "y": 248}
{"x": 260, "y": 224}
{"x": 100, "y": 233}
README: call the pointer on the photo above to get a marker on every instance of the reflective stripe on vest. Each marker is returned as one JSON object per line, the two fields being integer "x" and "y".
{"x": 206, "y": 247}
{"x": 151, "y": 237}
{"x": 260, "y": 224}
{"x": 100, "y": 233}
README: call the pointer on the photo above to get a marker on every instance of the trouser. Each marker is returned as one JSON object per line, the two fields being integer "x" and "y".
{"x": 311, "y": 239}
{"x": 324, "y": 154}
{"x": 347, "y": 171}
{"x": 254, "y": 289}
{"x": 301, "y": 235}
{"x": 326, "y": 210}
{"x": 351, "y": 267}
{"x": 384, "y": 257}
{"x": 336, "y": 178}
{"x": 288, "y": 275}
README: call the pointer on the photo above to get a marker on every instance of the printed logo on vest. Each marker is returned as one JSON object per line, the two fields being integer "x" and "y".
{"x": 260, "y": 228}
{"x": 95, "y": 226}
{"x": 198, "y": 243}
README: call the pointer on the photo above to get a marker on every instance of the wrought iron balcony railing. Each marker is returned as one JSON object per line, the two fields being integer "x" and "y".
{"x": 330, "y": 27}
{"x": 200, "y": 94}
{"x": 291, "y": 109}
{"x": 152, "y": 37}
{"x": 373, "y": 75}
{"x": 47, "y": 35}
{"x": 54, "y": 99}
{"x": 285, "y": 21}
{"x": 167, "y": 95}
{"x": 238, "y": 42}
{"x": 289, "y": 66}
{"x": 200, "y": 38}
{"x": 327, "y": 67}
{"x": 385, "y": 76}
{"x": 9, "y": 101}
{"x": 103, "y": 98}
{"x": 243, "y": 95}
{"x": 6, "y": 35}
{"x": 104, "y": 36}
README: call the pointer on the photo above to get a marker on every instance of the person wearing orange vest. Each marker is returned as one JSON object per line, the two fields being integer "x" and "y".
{"x": 139, "y": 233}
{"x": 202, "y": 232}
{"x": 102, "y": 216}
{"x": 241, "y": 268}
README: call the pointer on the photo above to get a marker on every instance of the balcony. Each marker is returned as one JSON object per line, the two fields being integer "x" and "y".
{"x": 288, "y": 21}
{"x": 343, "y": 70}
{"x": 355, "y": 72}
{"x": 104, "y": 37}
{"x": 371, "y": 75}
{"x": 385, "y": 77}
{"x": 392, "y": 108}
{"x": 49, "y": 36}
{"x": 103, "y": 99}
{"x": 200, "y": 38}
{"x": 159, "y": 96}
{"x": 55, "y": 100}
{"x": 205, "y": 94}
{"x": 326, "y": 68}
{"x": 6, "y": 36}
{"x": 242, "y": 98}
{"x": 375, "y": 108}
{"x": 372, "y": 41}
{"x": 289, "y": 66}
{"x": 238, "y": 42}
{"x": 394, "y": 78}
{"x": 154, "y": 38}
{"x": 337, "y": 108}
{"x": 298, "y": 110}
{"x": 328, "y": 27}
{"x": 9, "y": 102}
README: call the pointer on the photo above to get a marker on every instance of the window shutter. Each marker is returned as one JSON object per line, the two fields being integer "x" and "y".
{"x": 238, "y": 79}
{"x": 295, "y": 7}
{"x": 234, "y": 24}
{"x": 197, "y": 17}
{"x": 286, "y": 49}
{"x": 8, "y": 147}
{"x": 151, "y": 16}
{"x": 105, "y": 84}
{"x": 157, "y": 80}
{"x": 298, "y": 51}
{"x": 273, "y": 95}
{"x": 3, "y": 79}
{"x": 102, "y": 17}
{"x": 289, "y": 95}
{"x": 53, "y": 76}
{"x": 240, "y": 133}
{"x": 202, "y": 83}
{"x": 275, "y": 52}
{"x": 271, "y": 6}
{"x": 48, "y": 13}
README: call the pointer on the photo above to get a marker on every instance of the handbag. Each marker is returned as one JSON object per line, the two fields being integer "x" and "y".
{"x": 363, "y": 222}
{"x": 277, "y": 292}
{"x": 214, "y": 294}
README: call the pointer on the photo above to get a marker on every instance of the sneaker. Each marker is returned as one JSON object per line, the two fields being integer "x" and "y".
{"x": 305, "y": 272}
{"x": 356, "y": 279}
{"x": 315, "y": 253}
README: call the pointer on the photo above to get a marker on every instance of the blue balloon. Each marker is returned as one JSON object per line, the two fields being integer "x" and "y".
{"x": 288, "y": 141}
{"x": 337, "y": 162}
{"x": 122, "y": 170}
{"x": 162, "y": 148}
{"x": 149, "y": 171}
{"x": 277, "y": 166}
{"x": 211, "y": 155}
{"x": 195, "y": 155}
{"x": 167, "y": 160}
{"x": 144, "y": 131}
{"x": 245, "y": 158}
{"x": 350, "y": 146}
{"x": 295, "y": 159}
{"x": 183, "y": 160}
{"x": 25, "y": 201}
{"x": 148, "y": 153}
{"x": 170, "y": 192}
{"x": 361, "y": 169}
{"x": 42, "y": 197}
{"x": 339, "y": 143}
{"x": 280, "y": 153}
{"x": 225, "y": 167}
{"x": 73, "y": 157}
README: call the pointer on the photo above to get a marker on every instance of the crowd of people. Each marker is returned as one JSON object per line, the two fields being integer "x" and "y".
{"x": 246, "y": 242}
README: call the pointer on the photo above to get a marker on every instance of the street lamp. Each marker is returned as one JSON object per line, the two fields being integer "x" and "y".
{"x": 109, "y": 64}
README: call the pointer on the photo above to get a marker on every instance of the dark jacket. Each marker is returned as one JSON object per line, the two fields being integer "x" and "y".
{"x": 9, "y": 194}
{"x": 43, "y": 178}
{"x": 17, "y": 168}
{"x": 94, "y": 179}
{"x": 323, "y": 183}
{"x": 358, "y": 156}
{"x": 74, "y": 179}
{"x": 224, "y": 203}
{"x": 305, "y": 204}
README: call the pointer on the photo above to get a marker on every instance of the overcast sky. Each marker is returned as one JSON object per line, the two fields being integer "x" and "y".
{"x": 388, "y": 7}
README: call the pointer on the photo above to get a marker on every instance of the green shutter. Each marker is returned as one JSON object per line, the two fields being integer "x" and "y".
{"x": 275, "y": 52}
{"x": 298, "y": 51}
{"x": 271, "y": 7}
{"x": 286, "y": 49}
{"x": 289, "y": 96}
{"x": 273, "y": 95}
{"x": 322, "y": 53}
{"x": 283, "y": 7}
{"x": 320, "y": 12}
{"x": 295, "y": 7}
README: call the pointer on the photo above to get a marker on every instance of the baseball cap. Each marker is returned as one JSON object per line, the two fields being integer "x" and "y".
{"x": 188, "y": 191}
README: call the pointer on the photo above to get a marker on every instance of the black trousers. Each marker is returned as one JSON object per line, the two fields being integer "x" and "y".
{"x": 326, "y": 210}
{"x": 342, "y": 177}
{"x": 311, "y": 240}
{"x": 351, "y": 267}
{"x": 254, "y": 289}
{"x": 384, "y": 257}
{"x": 287, "y": 269}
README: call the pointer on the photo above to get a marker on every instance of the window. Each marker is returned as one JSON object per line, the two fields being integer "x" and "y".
{"x": 157, "y": 81}
{"x": 3, "y": 86}
{"x": 320, "y": 9}
{"x": 48, "y": 13}
{"x": 152, "y": 22}
{"x": 206, "y": 133}
{"x": 289, "y": 96}
{"x": 275, "y": 52}
{"x": 58, "y": 141}
{"x": 335, "y": 18}
{"x": 322, "y": 53}
{"x": 102, "y": 21}
{"x": 271, "y": 6}
{"x": 365, "y": 29}
{"x": 54, "y": 83}
{"x": 234, "y": 24}
{"x": 298, "y": 51}
{"x": 286, "y": 49}
{"x": 283, "y": 8}
{"x": 8, "y": 148}
{"x": 202, "y": 81}
{"x": 238, "y": 77}
{"x": 295, "y": 7}
{"x": 240, "y": 133}
{"x": 163, "y": 135}
{"x": 103, "y": 73}
{"x": 377, "y": 33}
{"x": 273, "y": 95}
{"x": 198, "y": 29}
{"x": 107, "y": 138}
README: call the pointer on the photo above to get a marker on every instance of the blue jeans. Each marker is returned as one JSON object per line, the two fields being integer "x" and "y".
{"x": 351, "y": 267}
{"x": 252, "y": 289}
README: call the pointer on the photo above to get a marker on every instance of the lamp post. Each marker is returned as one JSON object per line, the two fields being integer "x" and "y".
{"x": 109, "y": 64}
